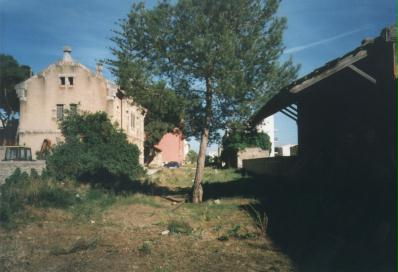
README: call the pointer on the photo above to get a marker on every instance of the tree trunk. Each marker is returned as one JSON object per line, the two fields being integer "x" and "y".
{"x": 197, "y": 193}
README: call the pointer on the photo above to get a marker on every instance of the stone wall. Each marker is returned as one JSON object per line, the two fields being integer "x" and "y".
{"x": 251, "y": 153}
{"x": 269, "y": 166}
{"x": 8, "y": 167}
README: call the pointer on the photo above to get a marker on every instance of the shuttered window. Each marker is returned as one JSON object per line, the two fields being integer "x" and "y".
{"x": 60, "y": 112}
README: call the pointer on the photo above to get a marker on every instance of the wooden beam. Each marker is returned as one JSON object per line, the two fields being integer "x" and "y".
{"x": 293, "y": 109}
{"x": 362, "y": 73}
{"x": 327, "y": 73}
{"x": 294, "y": 113}
{"x": 288, "y": 115}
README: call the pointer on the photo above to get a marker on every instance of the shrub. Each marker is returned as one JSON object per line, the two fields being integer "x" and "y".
{"x": 239, "y": 139}
{"x": 95, "y": 151}
{"x": 21, "y": 190}
{"x": 176, "y": 227}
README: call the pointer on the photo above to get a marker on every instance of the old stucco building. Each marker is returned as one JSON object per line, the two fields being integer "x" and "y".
{"x": 69, "y": 85}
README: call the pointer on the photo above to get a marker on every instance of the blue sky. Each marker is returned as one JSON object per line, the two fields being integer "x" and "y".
{"x": 34, "y": 32}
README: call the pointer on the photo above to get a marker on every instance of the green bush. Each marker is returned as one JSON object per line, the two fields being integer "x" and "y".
{"x": 239, "y": 139}
{"x": 21, "y": 190}
{"x": 95, "y": 151}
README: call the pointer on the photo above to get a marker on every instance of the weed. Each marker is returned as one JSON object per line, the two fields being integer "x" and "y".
{"x": 261, "y": 220}
{"x": 79, "y": 245}
{"x": 145, "y": 248}
{"x": 21, "y": 190}
{"x": 139, "y": 199}
{"x": 180, "y": 226}
{"x": 234, "y": 231}
{"x": 223, "y": 238}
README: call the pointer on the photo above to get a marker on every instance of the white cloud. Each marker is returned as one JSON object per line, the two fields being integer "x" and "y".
{"x": 325, "y": 41}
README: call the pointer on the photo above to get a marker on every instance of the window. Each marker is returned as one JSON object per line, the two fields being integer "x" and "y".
{"x": 132, "y": 120}
{"x": 73, "y": 108}
{"x": 60, "y": 112}
{"x": 62, "y": 80}
{"x": 70, "y": 81}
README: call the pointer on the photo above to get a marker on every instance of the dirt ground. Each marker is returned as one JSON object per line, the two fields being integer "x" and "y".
{"x": 128, "y": 237}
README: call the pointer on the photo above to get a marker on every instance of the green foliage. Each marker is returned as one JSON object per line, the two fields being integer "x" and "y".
{"x": 94, "y": 150}
{"x": 179, "y": 227}
{"x": 226, "y": 50}
{"x": 145, "y": 248}
{"x": 21, "y": 190}
{"x": 222, "y": 57}
{"x": 192, "y": 156}
{"x": 11, "y": 73}
{"x": 165, "y": 107}
{"x": 240, "y": 139}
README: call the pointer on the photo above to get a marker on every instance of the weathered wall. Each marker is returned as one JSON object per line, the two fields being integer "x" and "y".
{"x": 8, "y": 167}
{"x": 251, "y": 153}
{"x": 40, "y": 94}
{"x": 172, "y": 148}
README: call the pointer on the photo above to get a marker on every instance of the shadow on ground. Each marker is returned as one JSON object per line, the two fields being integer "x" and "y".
{"x": 323, "y": 220}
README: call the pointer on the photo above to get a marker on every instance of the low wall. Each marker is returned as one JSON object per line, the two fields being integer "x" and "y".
{"x": 8, "y": 167}
{"x": 251, "y": 153}
{"x": 269, "y": 166}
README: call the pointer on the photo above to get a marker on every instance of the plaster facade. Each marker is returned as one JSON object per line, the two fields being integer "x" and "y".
{"x": 172, "y": 147}
{"x": 69, "y": 85}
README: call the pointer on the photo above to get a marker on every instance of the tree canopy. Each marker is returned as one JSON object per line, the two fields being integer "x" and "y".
{"x": 11, "y": 73}
{"x": 239, "y": 139}
{"x": 220, "y": 56}
{"x": 94, "y": 150}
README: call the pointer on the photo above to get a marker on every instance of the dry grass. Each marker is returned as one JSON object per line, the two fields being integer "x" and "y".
{"x": 127, "y": 236}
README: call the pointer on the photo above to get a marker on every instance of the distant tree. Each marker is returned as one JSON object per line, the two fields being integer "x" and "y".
{"x": 165, "y": 107}
{"x": 94, "y": 150}
{"x": 221, "y": 56}
{"x": 239, "y": 139}
{"x": 11, "y": 73}
{"x": 192, "y": 156}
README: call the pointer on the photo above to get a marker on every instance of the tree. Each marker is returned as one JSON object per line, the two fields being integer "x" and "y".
{"x": 94, "y": 150}
{"x": 165, "y": 107}
{"x": 11, "y": 73}
{"x": 239, "y": 139}
{"x": 221, "y": 56}
{"x": 192, "y": 156}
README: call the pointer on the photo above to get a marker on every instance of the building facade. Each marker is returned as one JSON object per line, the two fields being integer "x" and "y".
{"x": 268, "y": 126}
{"x": 171, "y": 148}
{"x": 68, "y": 85}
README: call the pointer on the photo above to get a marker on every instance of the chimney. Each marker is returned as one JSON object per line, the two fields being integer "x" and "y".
{"x": 98, "y": 69}
{"x": 67, "y": 55}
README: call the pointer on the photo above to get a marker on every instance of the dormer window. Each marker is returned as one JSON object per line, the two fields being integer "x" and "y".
{"x": 70, "y": 81}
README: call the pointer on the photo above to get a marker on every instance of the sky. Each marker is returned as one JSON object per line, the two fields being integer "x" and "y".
{"x": 35, "y": 31}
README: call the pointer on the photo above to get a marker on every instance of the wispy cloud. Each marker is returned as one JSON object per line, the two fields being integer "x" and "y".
{"x": 324, "y": 41}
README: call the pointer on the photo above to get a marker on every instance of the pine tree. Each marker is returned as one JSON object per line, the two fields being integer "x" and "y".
{"x": 220, "y": 56}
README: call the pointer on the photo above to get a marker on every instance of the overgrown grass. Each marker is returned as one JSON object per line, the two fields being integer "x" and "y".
{"x": 183, "y": 177}
{"x": 179, "y": 227}
{"x": 21, "y": 190}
